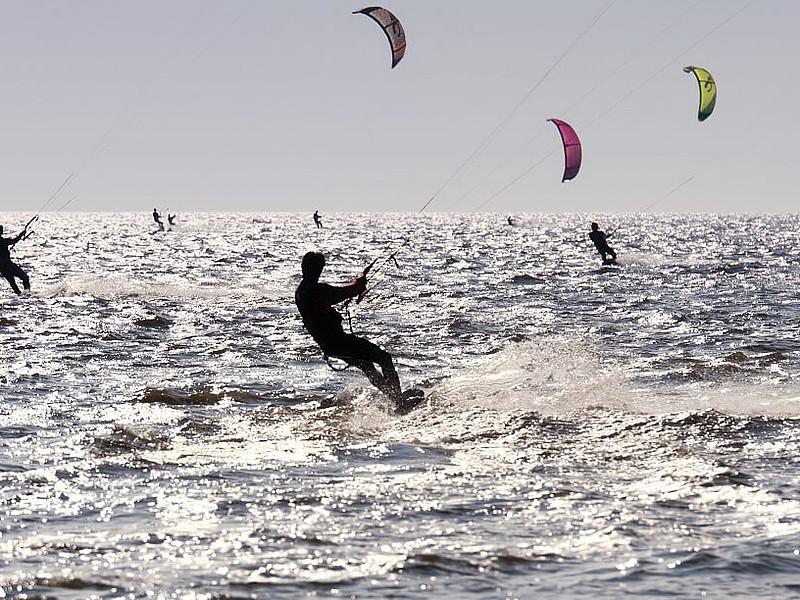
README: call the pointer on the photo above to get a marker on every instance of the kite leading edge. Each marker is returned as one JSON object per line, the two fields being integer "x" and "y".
{"x": 391, "y": 27}
{"x": 708, "y": 91}
{"x": 572, "y": 148}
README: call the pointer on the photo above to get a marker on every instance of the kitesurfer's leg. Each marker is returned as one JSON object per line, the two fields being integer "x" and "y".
{"x": 364, "y": 354}
{"x": 16, "y": 271}
{"x": 10, "y": 278}
{"x": 377, "y": 379}
{"x": 384, "y": 359}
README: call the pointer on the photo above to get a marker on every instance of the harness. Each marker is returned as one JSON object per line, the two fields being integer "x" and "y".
{"x": 327, "y": 358}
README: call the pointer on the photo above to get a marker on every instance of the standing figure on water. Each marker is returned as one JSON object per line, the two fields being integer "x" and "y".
{"x": 315, "y": 302}
{"x": 157, "y": 219}
{"x": 8, "y": 269}
{"x": 317, "y": 219}
{"x": 599, "y": 238}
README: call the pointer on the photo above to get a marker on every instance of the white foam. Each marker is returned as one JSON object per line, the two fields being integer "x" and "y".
{"x": 116, "y": 286}
{"x": 560, "y": 375}
{"x": 552, "y": 375}
{"x": 642, "y": 258}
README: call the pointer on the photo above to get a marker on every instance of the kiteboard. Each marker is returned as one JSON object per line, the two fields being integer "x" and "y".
{"x": 411, "y": 399}
{"x": 610, "y": 261}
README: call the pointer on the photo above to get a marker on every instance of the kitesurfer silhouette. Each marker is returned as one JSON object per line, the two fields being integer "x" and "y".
{"x": 315, "y": 302}
{"x": 317, "y": 219}
{"x": 8, "y": 269}
{"x": 599, "y": 238}
{"x": 171, "y": 219}
{"x": 157, "y": 219}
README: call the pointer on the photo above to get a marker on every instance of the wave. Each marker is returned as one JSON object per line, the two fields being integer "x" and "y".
{"x": 564, "y": 374}
{"x": 116, "y": 287}
{"x": 124, "y": 439}
{"x": 642, "y": 258}
{"x": 174, "y": 397}
{"x": 552, "y": 376}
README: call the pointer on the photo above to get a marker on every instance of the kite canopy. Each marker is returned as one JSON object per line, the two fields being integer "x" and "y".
{"x": 572, "y": 149}
{"x": 708, "y": 91}
{"x": 391, "y": 27}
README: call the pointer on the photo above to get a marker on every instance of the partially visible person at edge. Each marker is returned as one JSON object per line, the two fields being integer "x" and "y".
{"x": 157, "y": 219}
{"x": 8, "y": 269}
{"x": 315, "y": 302}
{"x": 317, "y": 219}
{"x": 599, "y": 238}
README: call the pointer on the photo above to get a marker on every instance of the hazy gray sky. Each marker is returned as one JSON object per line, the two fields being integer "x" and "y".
{"x": 292, "y": 105}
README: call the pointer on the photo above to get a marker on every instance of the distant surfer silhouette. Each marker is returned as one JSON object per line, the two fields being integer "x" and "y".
{"x": 157, "y": 219}
{"x": 315, "y": 302}
{"x": 599, "y": 238}
{"x": 8, "y": 269}
{"x": 511, "y": 221}
{"x": 317, "y": 219}
{"x": 171, "y": 219}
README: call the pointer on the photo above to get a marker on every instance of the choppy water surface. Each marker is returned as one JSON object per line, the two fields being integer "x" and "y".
{"x": 619, "y": 431}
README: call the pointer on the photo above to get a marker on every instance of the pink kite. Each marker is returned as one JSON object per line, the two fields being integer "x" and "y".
{"x": 572, "y": 149}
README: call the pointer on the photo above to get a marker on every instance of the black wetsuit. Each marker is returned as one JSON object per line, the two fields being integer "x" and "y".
{"x": 8, "y": 269}
{"x": 317, "y": 220}
{"x": 315, "y": 302}
{"x": 599, "y": 239}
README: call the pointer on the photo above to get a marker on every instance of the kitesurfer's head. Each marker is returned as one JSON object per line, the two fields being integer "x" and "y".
{"x": 313, "y": 263}
{"x": 594, "y": 226}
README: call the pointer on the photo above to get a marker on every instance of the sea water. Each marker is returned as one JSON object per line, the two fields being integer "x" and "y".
{"x": 168, "y": 429}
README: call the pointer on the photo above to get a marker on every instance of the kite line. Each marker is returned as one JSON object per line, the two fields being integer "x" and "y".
{"x": 627, "y": 95}
{"x": 501, "y": 125}
{"x": 392, "y": 251}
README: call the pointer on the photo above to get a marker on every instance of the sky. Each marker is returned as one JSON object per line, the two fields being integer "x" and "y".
{"x": 246, "y": 105}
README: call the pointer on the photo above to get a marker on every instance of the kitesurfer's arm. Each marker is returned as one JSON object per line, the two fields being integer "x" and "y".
{"x": 335, "y": 294}
{"x": 17, "y": 238}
